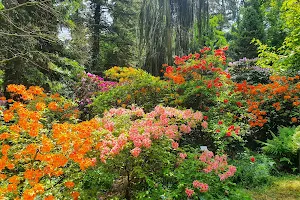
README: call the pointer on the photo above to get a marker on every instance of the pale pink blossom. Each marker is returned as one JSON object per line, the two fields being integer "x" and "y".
{"x": 204, "y": 124}
{"x": 189, "y": 192}
{"x": 136, "y": 151}
{"x": 182, "y": 155}
{"x": 175, "y": 145}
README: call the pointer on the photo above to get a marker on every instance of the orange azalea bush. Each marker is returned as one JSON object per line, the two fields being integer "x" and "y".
{"x": 273, "y": 104}
{"x": 41, "y": 157}
{"x": 35, "y": 158}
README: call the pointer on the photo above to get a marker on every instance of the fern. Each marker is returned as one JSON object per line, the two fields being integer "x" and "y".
{"x": 283, "y": 147}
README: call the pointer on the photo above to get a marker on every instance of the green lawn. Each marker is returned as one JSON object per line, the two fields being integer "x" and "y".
{"x": 282, "y": 188}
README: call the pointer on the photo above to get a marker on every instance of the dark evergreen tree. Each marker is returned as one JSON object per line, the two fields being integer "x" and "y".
{"x": 30, "y": 50}
{"x": 251, "y": 26}
{"x": 118, "y": 43}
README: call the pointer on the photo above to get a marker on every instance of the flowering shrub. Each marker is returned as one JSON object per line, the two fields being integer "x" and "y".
{"x": 245, "y": 69}
{"x": 272, "y": 105}
{"x": 135, "y": 87}
{"x": 43, "y": 160}
{"x": 89, "y": 86}
{"x": 203, "y": 85}
{"x": 196, "y": 175}
{"x": 211, "y": 165}
{"x": 38, "y": 154}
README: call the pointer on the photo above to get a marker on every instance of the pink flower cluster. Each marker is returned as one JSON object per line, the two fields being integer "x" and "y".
{"x": 189, "y": 192}
{"x": 218, "y": 164}
{"x": 132, "y": 127}
{"x": 229, "y": 173}
{"x": 182, "y": 155}
{"x": 102, "y": 85}
{"x": 203, "y": 187}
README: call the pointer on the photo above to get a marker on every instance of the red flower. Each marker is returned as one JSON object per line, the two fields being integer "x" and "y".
{"x": 252, "y": 159}
{"x": 239, "y": 104}
{"x": 220, "y": 122}
{"x": 169, "y": 69}
{"x": 228, "y": 134}
{"x": 231, "y": 128}
{"x": 218, "y": 131}
{"x": 205, "y": 118}
{"x": 225, "y": 100}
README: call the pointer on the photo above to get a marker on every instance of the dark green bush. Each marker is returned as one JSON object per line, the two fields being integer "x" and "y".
{"x": 253, "y": 171}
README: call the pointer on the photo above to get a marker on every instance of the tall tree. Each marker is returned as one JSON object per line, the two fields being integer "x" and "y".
{"x": 275, "y": 32}
{"x": 251, "y": 26}
{"x": 169, "y": 27}
{"x": 119, "y": 41}
{"x": 28, "y": 34}
{"x": 96, "y": 30}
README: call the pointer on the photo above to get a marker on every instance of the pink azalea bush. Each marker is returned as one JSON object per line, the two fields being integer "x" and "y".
{"x": 145, "y": 148}
{"x": 204, "y": 174}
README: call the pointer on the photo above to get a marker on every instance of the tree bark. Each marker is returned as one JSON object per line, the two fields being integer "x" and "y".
{"x": 96, "y": 37}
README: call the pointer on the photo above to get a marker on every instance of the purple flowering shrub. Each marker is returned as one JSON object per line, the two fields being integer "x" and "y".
{"x": 246, "y": 70}
{"x": 89, "y": 86}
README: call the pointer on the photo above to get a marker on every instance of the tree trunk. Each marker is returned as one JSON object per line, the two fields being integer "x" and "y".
{"x": 96, "y": 38}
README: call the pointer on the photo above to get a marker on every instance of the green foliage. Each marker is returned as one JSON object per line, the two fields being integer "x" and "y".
{"x": 286, "y": 57}
{"x": 136, "y": 87}
{"x": 30, "y": 51}
{"x": 253, "y": 170}
{"x": 1, "y": 6}
{"x": 118, "y": 46}
{"x": 275, "y": 32}
{"x": 283, "y": 148}
{"x": 215, "y": 37}
{"x": 251, "y": 26}
{"x": 1, "y": 80}
{"x": 96, "y": 181}
{"x": 296, "y": 136}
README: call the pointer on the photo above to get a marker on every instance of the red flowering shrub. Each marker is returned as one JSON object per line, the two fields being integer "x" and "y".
{"x": 202, "y": 84}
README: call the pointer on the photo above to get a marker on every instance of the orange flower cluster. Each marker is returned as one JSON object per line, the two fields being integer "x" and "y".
{"x": 23, "y": 92}
{"x": 282, "y": 92}
{"x": 177, "y": 78}
{"x": 40, "y": 153}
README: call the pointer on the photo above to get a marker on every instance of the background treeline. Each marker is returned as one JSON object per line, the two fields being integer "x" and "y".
{"x": 49, "y": 42}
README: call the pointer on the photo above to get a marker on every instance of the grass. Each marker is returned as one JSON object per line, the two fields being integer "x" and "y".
{"x": 285, "y": 187}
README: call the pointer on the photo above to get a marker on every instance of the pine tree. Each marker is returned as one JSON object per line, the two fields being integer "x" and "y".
{"x": 251, "y": 26}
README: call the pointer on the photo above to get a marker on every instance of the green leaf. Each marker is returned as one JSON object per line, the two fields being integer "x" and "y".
{"x": 1, "y": 6}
